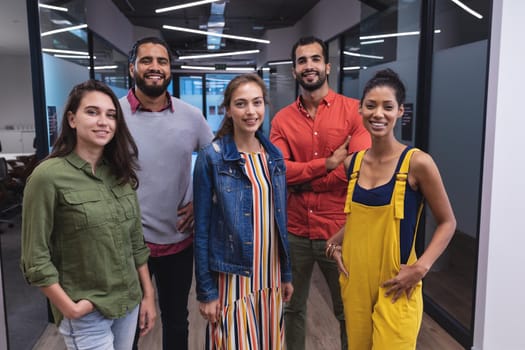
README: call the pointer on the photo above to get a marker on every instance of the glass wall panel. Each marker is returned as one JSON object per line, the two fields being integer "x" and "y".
{"x": 191, "y": 90}
{"x": 457, "y": 122}
{"x": 282, "y": 86}
{"x": 65, "y": 53}
{"x": 215, "y": 85}
{"x": 110, "y": 65}
{"x": 379, "y": 41}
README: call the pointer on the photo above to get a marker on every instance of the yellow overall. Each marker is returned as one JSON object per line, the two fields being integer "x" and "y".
{"x": 371, "y": 255}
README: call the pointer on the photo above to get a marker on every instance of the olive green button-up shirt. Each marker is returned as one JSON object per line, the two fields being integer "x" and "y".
{"x": 83, "y": 231}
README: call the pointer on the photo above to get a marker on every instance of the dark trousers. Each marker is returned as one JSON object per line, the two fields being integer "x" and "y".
{"x": 173, "y": 275}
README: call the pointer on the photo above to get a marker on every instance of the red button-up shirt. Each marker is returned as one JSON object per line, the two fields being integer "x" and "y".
{"x": 306, "y": 143}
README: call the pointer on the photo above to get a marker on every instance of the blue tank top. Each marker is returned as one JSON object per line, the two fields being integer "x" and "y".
{"x": 382, "y": 195}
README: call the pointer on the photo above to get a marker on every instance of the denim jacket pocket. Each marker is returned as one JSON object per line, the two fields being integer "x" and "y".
{"x": 228, "y": 178}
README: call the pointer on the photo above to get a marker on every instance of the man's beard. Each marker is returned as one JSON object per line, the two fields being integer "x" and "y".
{"x": 151, "y": 90}
{"x": 311, "y": 86}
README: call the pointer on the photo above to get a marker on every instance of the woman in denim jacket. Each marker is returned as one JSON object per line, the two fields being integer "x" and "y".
{"x": 241, "y": 250}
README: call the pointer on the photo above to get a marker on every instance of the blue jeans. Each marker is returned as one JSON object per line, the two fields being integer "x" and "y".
{"x": 96, "y": 332}
{"x": 304, "y": 253}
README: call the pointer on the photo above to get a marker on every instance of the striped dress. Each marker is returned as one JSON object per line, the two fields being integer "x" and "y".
{"x": 252, "y": 313}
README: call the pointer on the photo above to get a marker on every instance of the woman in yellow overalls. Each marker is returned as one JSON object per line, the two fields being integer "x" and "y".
{"x": 381, "y": 274}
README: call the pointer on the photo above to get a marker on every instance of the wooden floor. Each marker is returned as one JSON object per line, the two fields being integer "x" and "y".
{"x": 322, "y": 328}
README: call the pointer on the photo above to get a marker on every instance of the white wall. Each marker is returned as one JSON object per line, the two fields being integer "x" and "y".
{"x": 16, "y": 96}
{"x": 500, "y": 304}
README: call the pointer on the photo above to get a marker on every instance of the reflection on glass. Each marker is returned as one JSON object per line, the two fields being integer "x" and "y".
{"x": 191, "y": 90}
{"x": 363, "y": 55}
{"x": 65, "y": 56}
{"x": 111, "y": 66}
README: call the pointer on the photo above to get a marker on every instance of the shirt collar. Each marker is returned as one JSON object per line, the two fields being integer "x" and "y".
{"x": 136, "y": 105}
{"x": 327, "y": 100}
{"x": 74, "y": 159}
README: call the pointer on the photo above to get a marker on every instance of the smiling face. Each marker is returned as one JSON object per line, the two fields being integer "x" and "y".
{"x": 310, "y": 69}
{"x": 380, "y": 110}
{"x": 94, "y": 121}
{"x": 246, "y": 109}
{"x": 151, "y": 69}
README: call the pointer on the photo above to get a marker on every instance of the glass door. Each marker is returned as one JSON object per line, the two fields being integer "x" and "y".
{"x": 456, "y": 129}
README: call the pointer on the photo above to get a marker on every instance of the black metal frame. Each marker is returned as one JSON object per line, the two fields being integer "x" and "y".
{"x": 37, "y": 76}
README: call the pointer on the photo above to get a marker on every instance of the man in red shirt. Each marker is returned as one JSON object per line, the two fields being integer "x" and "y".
{"x": 315, "y": 133}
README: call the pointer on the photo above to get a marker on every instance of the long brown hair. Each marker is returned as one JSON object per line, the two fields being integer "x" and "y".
{"x": 121, "y": 152}
{"x": 233, "y": 85}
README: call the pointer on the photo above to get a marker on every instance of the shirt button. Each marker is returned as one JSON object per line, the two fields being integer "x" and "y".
{"x": 315, "y": 153}
{"x": 315, "y": 133}
{"x": 311, "y": 211}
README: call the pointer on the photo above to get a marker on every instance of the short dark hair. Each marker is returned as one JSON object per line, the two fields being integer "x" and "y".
{"x": 132, "y": 56}
{"x": 386, "y": 77}
{"x": 307, "y": 40}
{"x": 121, "y": 152}
{"x": 227, "y": 123}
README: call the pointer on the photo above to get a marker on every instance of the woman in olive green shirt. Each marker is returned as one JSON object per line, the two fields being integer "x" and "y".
{"x": 82, "y": 240}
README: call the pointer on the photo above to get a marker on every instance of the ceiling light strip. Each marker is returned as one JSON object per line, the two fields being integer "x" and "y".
{"x": 277, "y": 63}
{"x": 236, "y": 37}
{"x": 66, "y": 29}
{"x": 189, "y": 4}
{"x": 393, "y": 35}
{"x": 468, "y": 9}
{"x": 348, "y": 53}
{"x": 241, "y": 69}
{"x": 353, "y": 68}
{"x": 379, "y": 41}
{"x": 104, "y": 67}
{"x": 50, "y": 7}
{"x": 222, "y": 54}
{"x": 72, "y": 52}
{"x": 73, "y": 56}
{"x": 198, "y": 67}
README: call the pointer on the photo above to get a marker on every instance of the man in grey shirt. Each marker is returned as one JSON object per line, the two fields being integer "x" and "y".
{"x": 167, "y": 131}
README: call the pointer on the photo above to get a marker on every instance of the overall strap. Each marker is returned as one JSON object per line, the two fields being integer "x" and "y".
{"x": 356, "y": 162}
{"x": 400, "y": 185}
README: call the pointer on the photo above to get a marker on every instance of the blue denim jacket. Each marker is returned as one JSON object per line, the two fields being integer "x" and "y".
{"x": 223, "y": 207}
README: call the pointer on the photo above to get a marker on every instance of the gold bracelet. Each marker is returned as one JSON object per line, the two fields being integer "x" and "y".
{"x": 327, "y": 250}
{"x": 332, "y": 248}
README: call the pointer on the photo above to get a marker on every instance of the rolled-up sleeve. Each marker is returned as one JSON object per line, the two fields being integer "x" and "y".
{"x": 38, "y": 211}
{"x": 140, "y": 249}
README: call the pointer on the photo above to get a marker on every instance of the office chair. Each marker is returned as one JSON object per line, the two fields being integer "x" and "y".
{"x": 7, "y": 205}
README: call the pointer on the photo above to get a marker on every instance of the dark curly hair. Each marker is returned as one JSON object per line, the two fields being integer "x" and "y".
{"x": 386, "y": 77}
